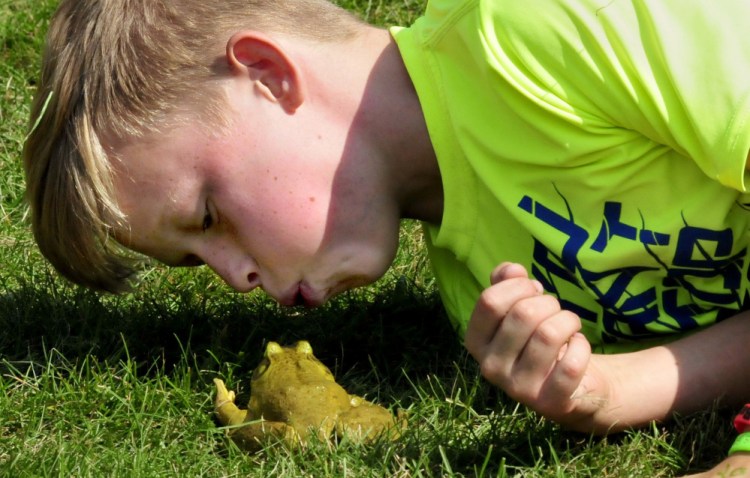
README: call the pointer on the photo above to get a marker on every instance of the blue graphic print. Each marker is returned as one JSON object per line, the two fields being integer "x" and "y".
{"x": 641, "y": 300}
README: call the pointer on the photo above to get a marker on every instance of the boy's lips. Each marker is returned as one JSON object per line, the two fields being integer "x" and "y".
{"x": 302, "y": 295}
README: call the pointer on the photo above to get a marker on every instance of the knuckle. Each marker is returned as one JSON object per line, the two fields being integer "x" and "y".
{"x": 492, "y": 368}
{"x": 510, "y": 291}
{"x": 571, "y": 369}
{"x": 548, "y": 334}
{"x": 525, "y": 308}
{"x": 572, "y": 318}
{"x": 488, "y": 300}
{"x": 535, "y": 307}
{"x": 492, "y": 302}
{"x": 573, "y": 365}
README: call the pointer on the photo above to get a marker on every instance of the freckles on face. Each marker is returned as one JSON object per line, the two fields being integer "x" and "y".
{"x": 275, "y": 209}
{"x": 277, "y": 205}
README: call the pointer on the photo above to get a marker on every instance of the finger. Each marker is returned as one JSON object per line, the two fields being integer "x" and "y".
{"x": 499, "y": 358}
{"x": 565, "y": 378}
{"x": 492, "y": 306}
{"x": 511, "y": 270}
{"x": 546, "y": 346}
{"x": 519, "y": 327}
{"x": 508, "y": 270}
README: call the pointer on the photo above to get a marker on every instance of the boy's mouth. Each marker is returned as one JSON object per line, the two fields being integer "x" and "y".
{"x": 299, "y": 299}
{"x": 302, "y": 297}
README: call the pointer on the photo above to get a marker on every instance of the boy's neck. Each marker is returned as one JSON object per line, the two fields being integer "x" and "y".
{"x": 391, "y": 110}
{"x": 364, "y": 85}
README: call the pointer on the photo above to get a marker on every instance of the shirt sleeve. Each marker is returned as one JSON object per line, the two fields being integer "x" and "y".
{"x": 676, "y": 71}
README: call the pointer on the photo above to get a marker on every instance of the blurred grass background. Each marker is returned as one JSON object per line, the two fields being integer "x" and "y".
{"x": 100, "y": 385}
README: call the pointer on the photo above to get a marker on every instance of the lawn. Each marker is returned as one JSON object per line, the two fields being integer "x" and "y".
{"x": 100, "y": 385}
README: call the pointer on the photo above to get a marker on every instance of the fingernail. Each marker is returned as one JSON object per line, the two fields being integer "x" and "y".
{"x": 538, "y": 285}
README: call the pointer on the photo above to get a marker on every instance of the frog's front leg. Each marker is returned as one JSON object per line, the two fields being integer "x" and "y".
{"x": 247, "y": 432}
{"x": 224, "y": 406}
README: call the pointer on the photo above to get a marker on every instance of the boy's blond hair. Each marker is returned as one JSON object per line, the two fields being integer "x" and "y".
{"x": 119, "y": 68}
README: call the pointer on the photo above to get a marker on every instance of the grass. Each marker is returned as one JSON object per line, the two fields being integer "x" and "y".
{"x": 94, "y": 385}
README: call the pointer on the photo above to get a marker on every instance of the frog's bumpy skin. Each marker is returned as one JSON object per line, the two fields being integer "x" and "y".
{"x": 293, "y": 395}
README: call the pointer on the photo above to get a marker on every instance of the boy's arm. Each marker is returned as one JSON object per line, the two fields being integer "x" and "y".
{"x": 737, "y": 465}
{"x": 530, "y": 348}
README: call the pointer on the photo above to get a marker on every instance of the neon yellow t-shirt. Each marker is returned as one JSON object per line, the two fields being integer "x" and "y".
{"x": 602, "y": 144}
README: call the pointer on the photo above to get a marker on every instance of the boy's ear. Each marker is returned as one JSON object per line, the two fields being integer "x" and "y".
{"x": 262, "y": 60}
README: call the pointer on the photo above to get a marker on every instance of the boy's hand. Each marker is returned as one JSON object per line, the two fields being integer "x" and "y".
{"x": 533, "y": 350}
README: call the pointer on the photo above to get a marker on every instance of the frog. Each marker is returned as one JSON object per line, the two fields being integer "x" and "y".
{"x": 295, "y": 397}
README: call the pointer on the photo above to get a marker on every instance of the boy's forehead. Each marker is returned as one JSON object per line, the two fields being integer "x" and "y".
{"x": 154, "y": 157}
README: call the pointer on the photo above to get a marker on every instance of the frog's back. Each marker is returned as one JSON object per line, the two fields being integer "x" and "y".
{"x": 293, "y": 386}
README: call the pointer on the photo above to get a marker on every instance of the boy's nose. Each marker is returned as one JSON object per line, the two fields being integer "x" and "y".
{"x": 254, "y": 279}
{"x": 241, "y": 274}
{"x": 242, "y": 280}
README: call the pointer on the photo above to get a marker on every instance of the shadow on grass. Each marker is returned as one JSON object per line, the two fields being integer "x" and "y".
{"x": 397, "y": 326}
{"x": 392, "y": 340}
{"x": 391, "y": 343}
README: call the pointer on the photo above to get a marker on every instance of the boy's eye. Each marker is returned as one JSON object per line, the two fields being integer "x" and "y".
{"x": 207, "y": 219}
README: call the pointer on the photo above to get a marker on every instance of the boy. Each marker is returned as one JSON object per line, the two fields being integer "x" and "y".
{"x": 578, "y": 166}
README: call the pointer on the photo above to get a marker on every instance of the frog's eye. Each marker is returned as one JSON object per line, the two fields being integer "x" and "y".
{"x": 261, "y": 369}
{"x": 273, "y": 348}
{"x": 304, "y": 347}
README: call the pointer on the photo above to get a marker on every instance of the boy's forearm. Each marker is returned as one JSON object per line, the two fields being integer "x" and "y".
{"x": 737, "y": 465}
{"x": 683, "y": 376}
{"x": 640, "y": 387}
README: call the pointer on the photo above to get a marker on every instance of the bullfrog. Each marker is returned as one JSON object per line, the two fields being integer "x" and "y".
{"x": 292, "y": 396}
